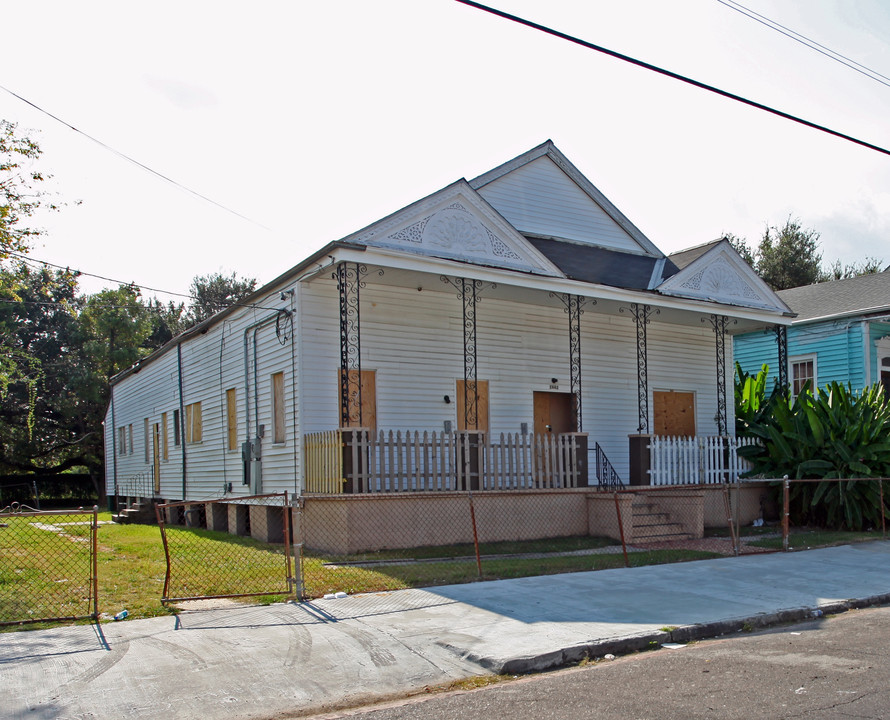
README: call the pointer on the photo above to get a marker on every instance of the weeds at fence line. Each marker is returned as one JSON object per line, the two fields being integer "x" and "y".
{"x": 47, "y": 565}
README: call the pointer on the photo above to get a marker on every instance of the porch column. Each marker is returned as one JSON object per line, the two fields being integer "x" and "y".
{"x": 718, "y": 324}
{"x": 349, "y": 283}
{"x": 781, "y": 332}
{"x": 468, "y": 292}
{"x": 641, "y": 315}
{"x": 574, "y": 305}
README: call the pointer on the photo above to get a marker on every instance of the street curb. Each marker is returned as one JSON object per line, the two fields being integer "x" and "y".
{"x": 688, "y": 633}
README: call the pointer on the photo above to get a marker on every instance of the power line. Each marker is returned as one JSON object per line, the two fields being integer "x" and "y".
{"x": 670, "y": 74}
{"x": 26, "y": 259}
{"x": 134, "y": 161}
{"x": 808, "y": 42}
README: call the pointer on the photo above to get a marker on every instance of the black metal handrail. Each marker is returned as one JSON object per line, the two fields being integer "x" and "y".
{"x": 606, "y": 474}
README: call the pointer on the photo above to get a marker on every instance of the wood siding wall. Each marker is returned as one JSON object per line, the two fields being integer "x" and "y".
{"x": 540, "y": 199}
{"x": 414, "y": 342}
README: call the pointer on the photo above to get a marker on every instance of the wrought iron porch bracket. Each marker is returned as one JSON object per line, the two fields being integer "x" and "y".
{"x": 781, "y": 333}
{"x": 641, "y": 315}
{"x": 350, "y": 279}
{"x": 469, "y": 292}
{"x": 574, "y": 307}
{"x": 718, "y": 324}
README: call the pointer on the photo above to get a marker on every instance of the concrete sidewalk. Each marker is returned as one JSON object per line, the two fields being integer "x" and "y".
{"x": 289, "y": 659}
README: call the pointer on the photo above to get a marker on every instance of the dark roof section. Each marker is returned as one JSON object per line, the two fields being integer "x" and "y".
{"x": 601, "y": 266}
{"x": 865, "y": 294}
{"x": 685, "y": 257}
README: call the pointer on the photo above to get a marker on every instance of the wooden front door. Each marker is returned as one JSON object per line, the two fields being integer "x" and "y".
{"x": 674, "y": 413}
{"x": 554, "y": 413}
{"x": 481, "y": 423}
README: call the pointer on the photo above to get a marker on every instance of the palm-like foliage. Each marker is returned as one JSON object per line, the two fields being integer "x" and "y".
{"x": 834, "y": 433}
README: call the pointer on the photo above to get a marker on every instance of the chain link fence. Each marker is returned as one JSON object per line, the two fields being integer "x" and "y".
{"x": 47, "y": 565}
{"x": 239, "y": 547}
{"x": 367, "y": 543}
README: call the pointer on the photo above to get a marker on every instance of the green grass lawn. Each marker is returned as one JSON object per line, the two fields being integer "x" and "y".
{"x": 46, "y": 572}
{"x": 808, "y": 538}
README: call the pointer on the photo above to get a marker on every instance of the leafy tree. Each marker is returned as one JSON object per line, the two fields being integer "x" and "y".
{"x": 167, "y": 322}
{"x": 46, "y": 423}
{"x": 114, "y": 326}
{"x": 214, "y": 292}
{"x": 839, "y": 271}
{"x": 789, "y": 256}
{"x": 20, "y": 196}
{"x": 741, "y": 247}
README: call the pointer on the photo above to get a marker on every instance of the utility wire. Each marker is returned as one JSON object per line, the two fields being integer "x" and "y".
{"x": 134, "y": 161}
{"x": 670, "y": 74}
{"x": 808, "y": 42}
{"x": 26, "y": 259}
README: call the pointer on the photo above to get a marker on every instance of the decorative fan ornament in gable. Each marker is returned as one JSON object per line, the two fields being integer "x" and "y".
{"x": 720, "y": 281}
{"x": 457, "y": 231}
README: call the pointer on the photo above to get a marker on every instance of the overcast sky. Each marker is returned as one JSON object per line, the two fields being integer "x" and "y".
{"x": 314, "y": 119}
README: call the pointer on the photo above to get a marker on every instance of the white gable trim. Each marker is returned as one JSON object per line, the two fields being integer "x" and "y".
{"x": 647, "y": 247}
{"x": 456, "y": 223}
{"x": 720, "y": 275}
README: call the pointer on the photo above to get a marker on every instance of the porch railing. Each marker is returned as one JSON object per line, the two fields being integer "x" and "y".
{"x": 418, "y": 461}
{"x": 696, "y": 460}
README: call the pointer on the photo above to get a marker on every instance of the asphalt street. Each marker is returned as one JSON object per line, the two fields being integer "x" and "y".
{"x": 833, "y": 667}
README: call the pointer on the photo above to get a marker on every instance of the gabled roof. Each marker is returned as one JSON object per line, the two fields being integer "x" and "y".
{"x": 715, "y": 272}
{"x": 862, "y": 295}
{"x": 455, "y": 223}
{"x": 542, "y": 194}
{"x": 588, "y": 263}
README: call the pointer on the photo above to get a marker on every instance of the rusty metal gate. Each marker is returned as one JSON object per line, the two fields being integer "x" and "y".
{"x": 47, "y": 565}
{"x": 227, "y": 548}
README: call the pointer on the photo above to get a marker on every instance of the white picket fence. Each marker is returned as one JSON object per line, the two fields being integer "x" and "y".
{"x": 413, "y": 461}
{"x": 696, "y": 460}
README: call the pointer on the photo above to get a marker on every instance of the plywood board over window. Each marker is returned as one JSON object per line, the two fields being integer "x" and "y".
{"x": 232, "y": 419}
{"x": 368, "y": 416}
{"x": 194, "y": 427}
{"x": 278, "y": 425}
{"x": 464, "y": 423}
{"x": 674, "y": 413}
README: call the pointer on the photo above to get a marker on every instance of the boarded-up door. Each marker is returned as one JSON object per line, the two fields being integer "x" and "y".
{"x": 674, "y": 413}
{"x": 481, "y": 419}
{"x": 368, "y": 417}
{"x": 554, "y": 413}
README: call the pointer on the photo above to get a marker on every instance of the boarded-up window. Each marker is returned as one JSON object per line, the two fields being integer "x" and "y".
{"x": 278, "y": 424}
{"x": 477, "y": 417}
{"x": 177, "y": 429}
{"x": 368, "y": 417}
{"x": 165, "y": 449}
{"x": 674, "y": 413}
{"x": 232, "y": 419}
{"x": 193, "y": 423}
{"x": 145, "y": 436}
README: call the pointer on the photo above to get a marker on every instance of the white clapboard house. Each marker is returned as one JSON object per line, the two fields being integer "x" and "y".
{"x": 511, "y": 331}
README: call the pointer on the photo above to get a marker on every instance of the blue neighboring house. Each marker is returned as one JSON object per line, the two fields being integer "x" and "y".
{"x": 841, "y": 332}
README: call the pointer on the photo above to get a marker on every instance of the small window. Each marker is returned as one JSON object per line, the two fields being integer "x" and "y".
{"x": 232, "y": 418}
{"x": 193, "y": 423}
{"x": 122, "y": 440}
{"x": 803, "y": 370}
{"x": 145, "y": 434}
{"x": 177, "y": 429}
{"x": 278, "y": 424}
{"x": 165, "y": 449}
{"x": 130, "y": 439}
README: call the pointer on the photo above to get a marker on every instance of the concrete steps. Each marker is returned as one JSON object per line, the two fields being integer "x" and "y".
{"x": 140, "y": 511}
{"x": 652, "y": 524}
